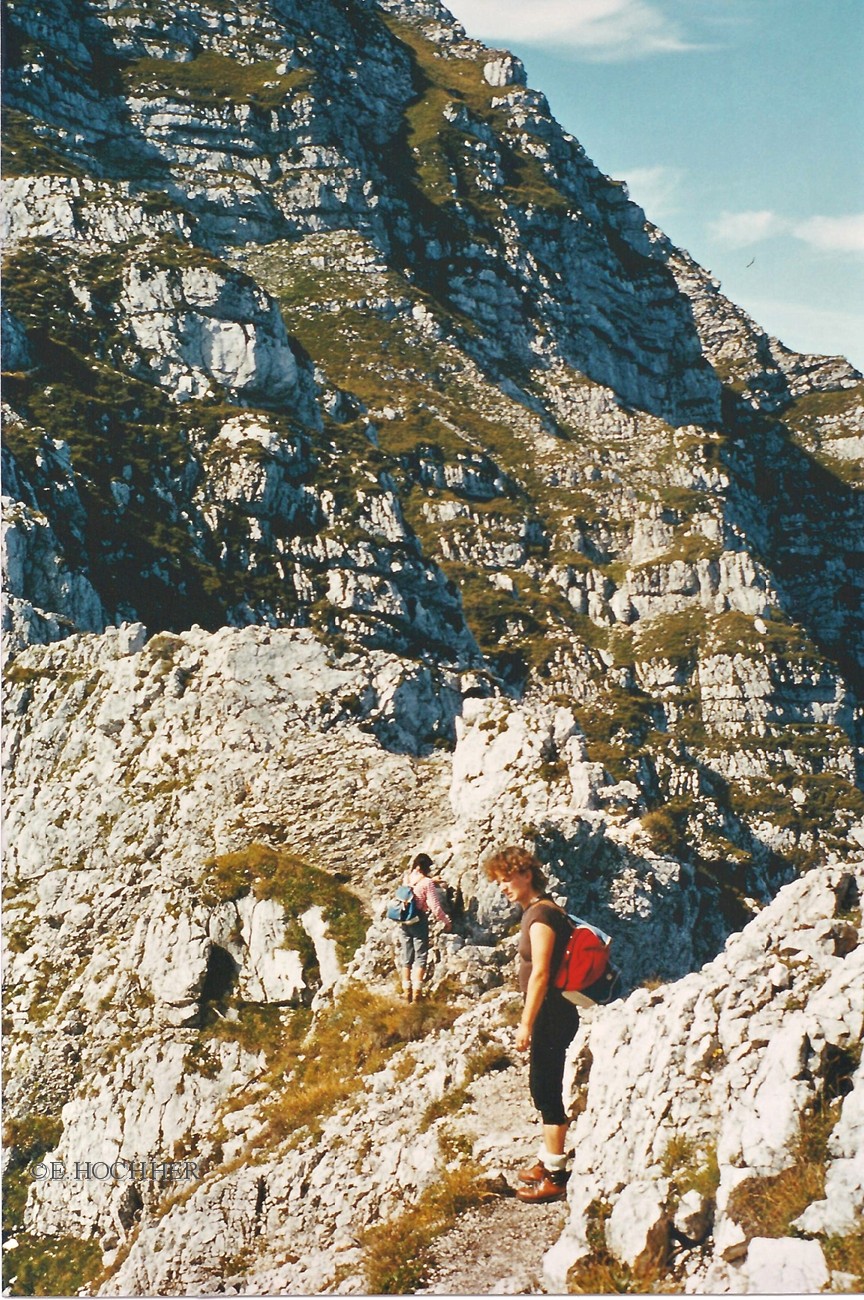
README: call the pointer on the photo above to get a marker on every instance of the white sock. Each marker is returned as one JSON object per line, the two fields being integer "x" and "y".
{"x": 555, "y": 1164}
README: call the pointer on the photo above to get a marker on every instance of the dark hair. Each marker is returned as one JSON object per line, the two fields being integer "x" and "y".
{"x": 422, "y": 863}
{"x": 512, "y": 861}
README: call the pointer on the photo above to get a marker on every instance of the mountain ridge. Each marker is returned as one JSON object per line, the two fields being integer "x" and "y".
{"x": 378, "y": 477}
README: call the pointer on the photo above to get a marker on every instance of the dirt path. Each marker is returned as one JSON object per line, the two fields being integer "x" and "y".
{"x": 496, "y": 1249}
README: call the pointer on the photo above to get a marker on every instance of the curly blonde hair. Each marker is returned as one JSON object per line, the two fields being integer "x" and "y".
{"x": 512, "y": 861}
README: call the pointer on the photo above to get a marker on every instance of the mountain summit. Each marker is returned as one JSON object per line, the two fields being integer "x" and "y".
{"x": 378, "y": 476}
{"x": 363, "y": 227}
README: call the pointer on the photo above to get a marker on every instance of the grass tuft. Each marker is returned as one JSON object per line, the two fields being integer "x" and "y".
{"x": 666, "y": 827}
{"x": 26, "y": 1139}
{"x": 273, "y": 873}
{"x": 766, "y": 1207}
{"x": 846, "y": 1255}
{"x": 49, "y": 1266}
{"x": 351, "y": 1040}
{"x": 690, "y": 1167}
{"x": 397, "y": 1254}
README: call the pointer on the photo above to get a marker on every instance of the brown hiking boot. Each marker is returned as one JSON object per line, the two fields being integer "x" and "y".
{"x": 534, "y": 1174}
{"x": 551, "y": 1187}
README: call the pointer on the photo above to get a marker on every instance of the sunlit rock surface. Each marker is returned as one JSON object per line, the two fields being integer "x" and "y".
{"x": 377, "y": 477}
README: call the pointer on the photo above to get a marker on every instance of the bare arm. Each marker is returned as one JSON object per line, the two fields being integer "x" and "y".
{"x": 542, "y": 939}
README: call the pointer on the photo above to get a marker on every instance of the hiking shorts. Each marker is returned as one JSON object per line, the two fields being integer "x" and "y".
{"x": 415, "y": 943}
{"x": 554, "y": 1030}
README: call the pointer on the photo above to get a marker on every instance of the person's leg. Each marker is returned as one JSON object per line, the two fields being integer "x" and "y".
{"x": 553, "y": 1032}
{"x": 421, "y": 956}
{"x": 548, "y": 1052}
{"x": 407, "y": 961}
{"x": 553, "y": 1139}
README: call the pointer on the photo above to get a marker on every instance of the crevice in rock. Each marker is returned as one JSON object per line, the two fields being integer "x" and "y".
{"x": 221, "y": 975}
{"x": 260, "y": 1198}
{"x": 838, "y": 1070}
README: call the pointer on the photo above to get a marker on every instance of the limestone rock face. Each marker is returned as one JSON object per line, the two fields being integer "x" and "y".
{"x": 379, "y": 479}
{"x": 173, "y": 958}
{"x": 45, "y": 597}
{"x": 505, "y": 71}
{"x": 721, "y": 1072}
{"x": 278, "y": 127}
{"x": 787, "y": 1267}
{"x": 207, "y": 332}
{"x": 638, "y": 1229}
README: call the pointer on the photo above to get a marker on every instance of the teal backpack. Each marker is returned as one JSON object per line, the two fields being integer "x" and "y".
{"x": 404, "y": 907}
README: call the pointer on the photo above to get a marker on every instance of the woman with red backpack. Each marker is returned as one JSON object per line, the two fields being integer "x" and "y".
{"x": 549, "y": 1021}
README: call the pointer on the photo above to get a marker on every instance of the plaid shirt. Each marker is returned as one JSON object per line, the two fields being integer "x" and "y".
{"x": 428, "y": 896}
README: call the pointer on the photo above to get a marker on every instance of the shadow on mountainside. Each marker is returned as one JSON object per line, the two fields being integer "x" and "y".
{"x": 806, "y": 526}
{"x": 666, "y": 916}
{"x": 424, "y": 163}
{"x": 86, "y": 74}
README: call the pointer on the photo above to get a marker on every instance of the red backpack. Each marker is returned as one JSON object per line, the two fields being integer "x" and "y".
{"x": 585, "y": 960}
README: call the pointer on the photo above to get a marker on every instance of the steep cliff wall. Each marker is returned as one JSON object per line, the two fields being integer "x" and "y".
{"x": 378, "y": 477}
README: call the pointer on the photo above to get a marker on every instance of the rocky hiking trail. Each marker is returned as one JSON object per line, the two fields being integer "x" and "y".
{"x": 496, "y": 1249}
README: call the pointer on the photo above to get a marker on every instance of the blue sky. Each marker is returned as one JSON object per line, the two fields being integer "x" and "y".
{"x": 738, "y": 127}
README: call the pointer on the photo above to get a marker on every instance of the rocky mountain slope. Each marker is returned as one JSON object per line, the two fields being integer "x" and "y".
{"x": 378, "y": 477}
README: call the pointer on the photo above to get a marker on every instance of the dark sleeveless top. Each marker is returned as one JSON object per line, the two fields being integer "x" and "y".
{"x": 548, "y": 913}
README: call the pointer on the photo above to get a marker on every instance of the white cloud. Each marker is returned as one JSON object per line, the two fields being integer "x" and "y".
{"x": 833, "y": 234}
{"x": 826, "y": 234}
{"x": 739, "y": 229}
{"x": 812, "y": 329}
{"x": 602, "y": 29}
{"x": 655, "y": 189}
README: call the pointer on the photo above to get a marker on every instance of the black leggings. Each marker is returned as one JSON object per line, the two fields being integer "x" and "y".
{"x": 554, "y": 1030}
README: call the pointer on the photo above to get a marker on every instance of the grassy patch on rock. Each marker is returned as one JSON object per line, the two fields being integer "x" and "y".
{"x": 671, "y": 637}
{"x": 666, "y": 826}
{"x": 348, "y": 1042}
{"x": 397, "y": 1254}
{"x": 846, "y": 1255}
{"x": 691, "y": 1167}
{"x": 615, "y": 726}
{"x": 273, "y": 873}
{"x": 444, "y": 147}
{"x": 50, "y": 1266}
{"x": 27, "y": 153}
{"x": 828, "y": 801}
{"x": 734, "y": 633}
{"x": 27, "y": 1139}
{"x": 213, "y": 80}
{"x": 766, "y": 1207}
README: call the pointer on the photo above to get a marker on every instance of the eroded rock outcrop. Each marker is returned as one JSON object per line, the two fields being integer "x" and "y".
{"x": 693, "y": 1100}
